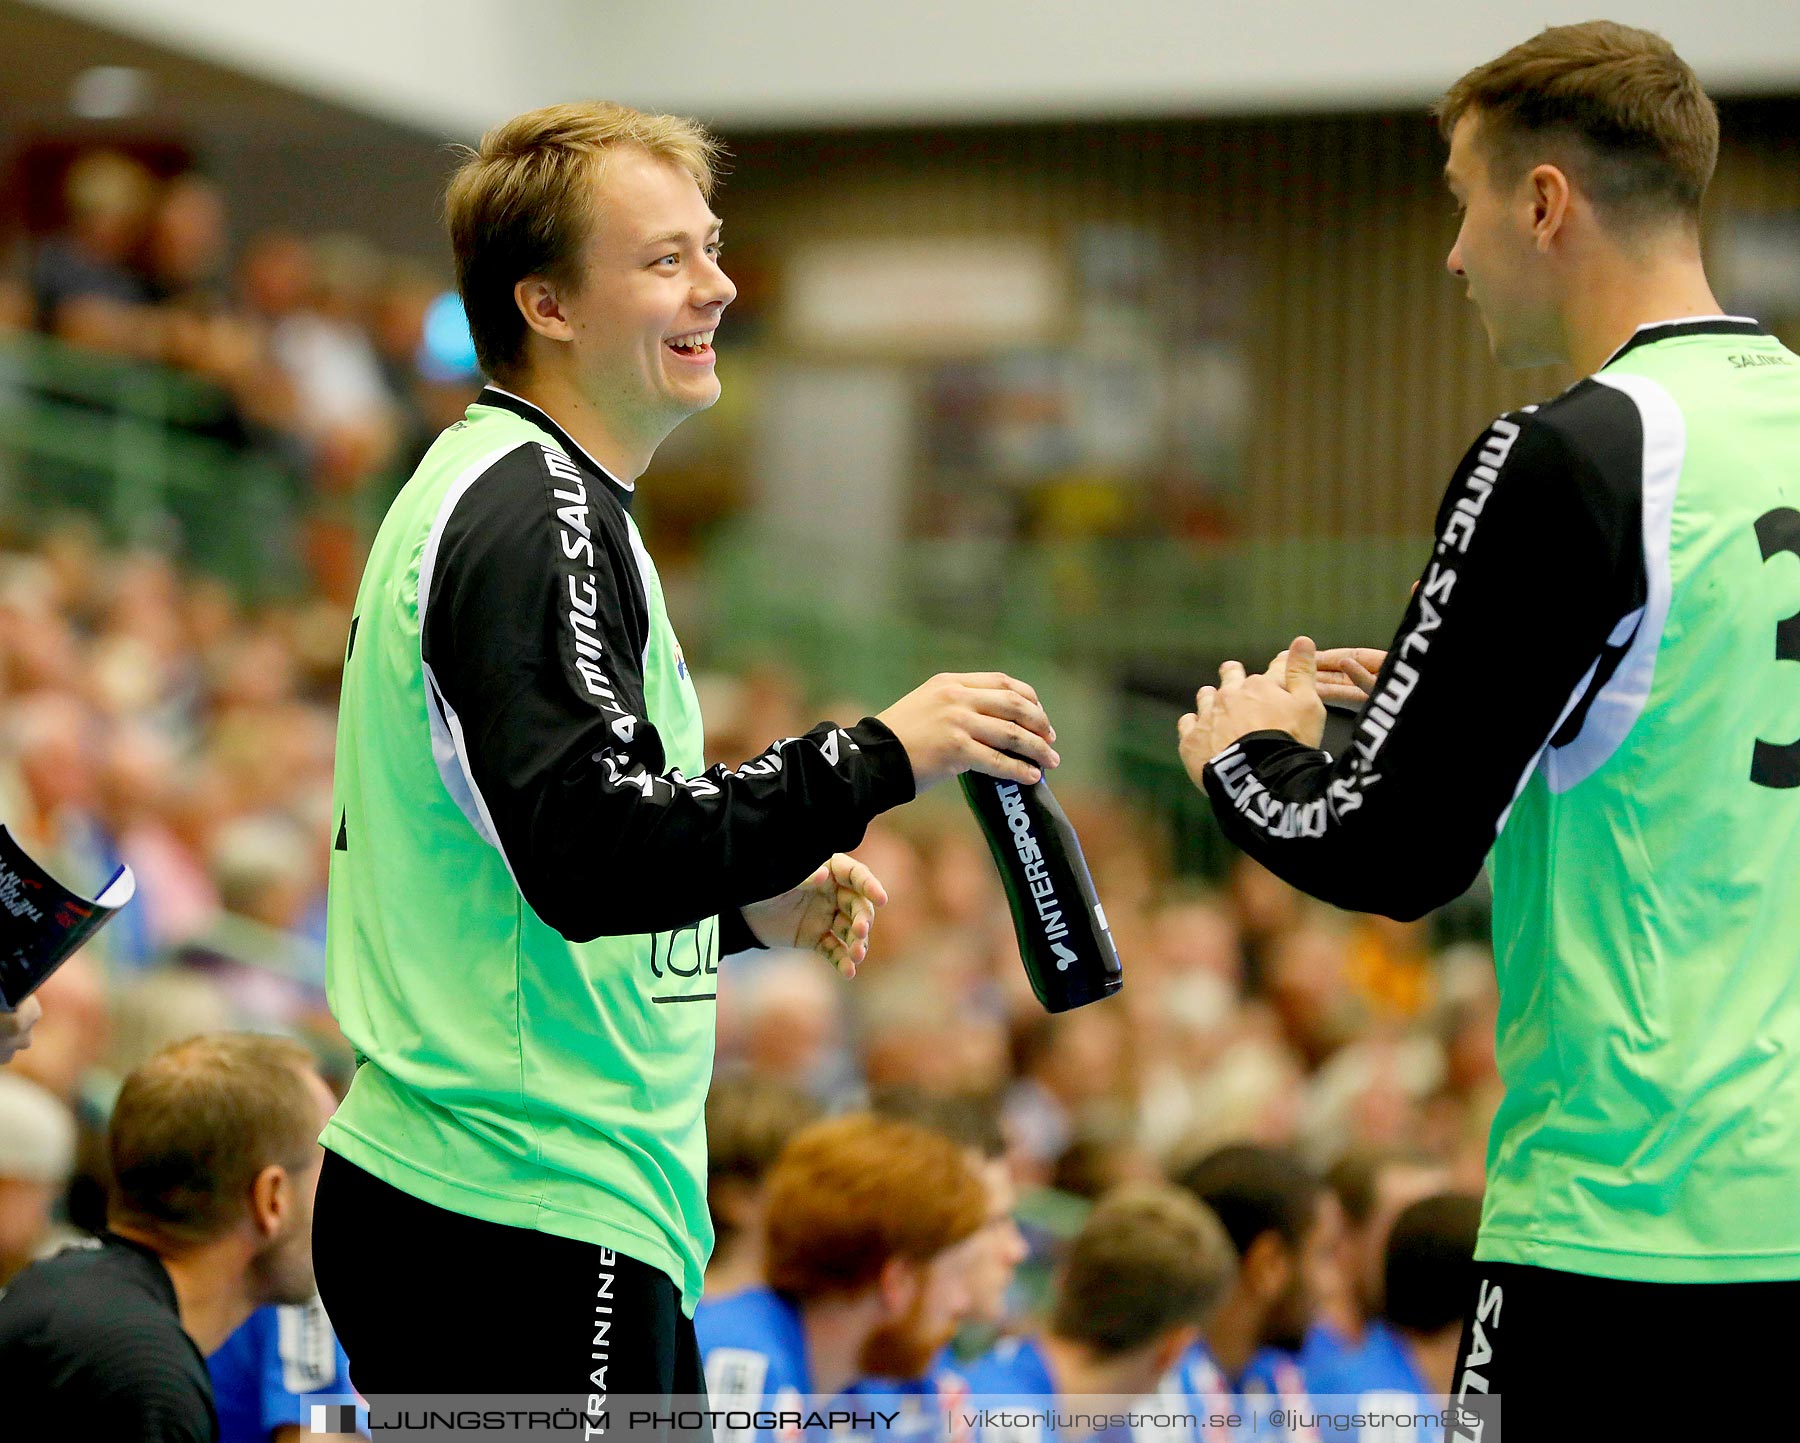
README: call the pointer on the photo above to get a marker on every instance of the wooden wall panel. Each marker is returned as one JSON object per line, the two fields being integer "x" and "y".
{"x": 1370, "y": 370}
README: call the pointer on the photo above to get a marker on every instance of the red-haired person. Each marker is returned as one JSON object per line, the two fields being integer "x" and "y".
{"x": 873, "y": 1227}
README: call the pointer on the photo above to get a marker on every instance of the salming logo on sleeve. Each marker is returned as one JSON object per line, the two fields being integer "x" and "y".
{"x": 1400, "y": 679}
{"x": 1250, "y": 797}
{"x": 838, "y": 743}
{"x": 575, "y": 539}
{"x": 1383, "y": 712}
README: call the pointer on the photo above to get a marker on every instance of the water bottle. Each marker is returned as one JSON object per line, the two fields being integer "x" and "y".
{"x": 1063, "y": 937}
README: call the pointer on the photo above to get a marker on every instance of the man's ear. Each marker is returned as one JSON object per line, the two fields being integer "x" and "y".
{"x": 271, "y": 1200}
{"x": 898, "y": 1285}
{"x": 1550, "y": 198}
{"x": 738, "y": 1202}
{"x": 1172, "y": 1344}
{"x": 539, "y": 303}
{"x": 1267, "y": 1266}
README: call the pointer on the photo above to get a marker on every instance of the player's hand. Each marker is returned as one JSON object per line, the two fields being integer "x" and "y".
{"x": 1242, "y": 704}
{"x": 959, "y": 722}
{"x": 15, "y": 1027}
{"x": 1346, "y": 674}
{"x": 831, "y": 913}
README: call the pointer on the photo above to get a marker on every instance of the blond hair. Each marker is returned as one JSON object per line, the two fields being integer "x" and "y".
{"x": 522, "y": 204}
{"x": 102, "y": 184}
{"x": 1615, "y": 106}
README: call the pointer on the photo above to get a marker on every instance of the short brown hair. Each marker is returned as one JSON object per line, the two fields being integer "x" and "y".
{"x": 1149, "y": 1258}
{"x": 521, "y": 205}
{"x": 849, "y": 1193}
{"x": 1623, "y": 113}
{"x": 196, "y": 1123}
{"x": 749, "y": 1119}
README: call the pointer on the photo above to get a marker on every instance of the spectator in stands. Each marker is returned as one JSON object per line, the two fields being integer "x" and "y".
{"x": 1267, "y": 910}
{"x": 872, "y": 1227}
{"x": 55, "y": 750}
{"x": 1284, "y": 1228}
{"x": 786, "y": 1021}
{"x": 1187, "y": 977}
{"x": 1429, "y": 1254}
{"x": 1070, "y": 1065}
{"x": 1409, "y": 1356}
{"x": 205, "y": 330}
{"x": 16, "y": 308}
{"x": 343, "y": 404}
{"x": 263, "y": 866}
{"x": 397, "y": 332}
{"x": 749, "y": 1119}
{"x": 973, "y": 1123}
{"x": 1101, "y": 1157}
{"x": 67, "y": 1049}
{"x": 37, "y": 1154}
{"x": 139, "y": 771}
{"x": 888, "y": 851}
{"x": 39, "y": 640}
{"x": 160, "y": 1007}
{"x": 71, "y": 1038}
{"x": 85, "y": 281}
{"x": 1457, "y": 1118}
{"x": 16, "y": 1027}
{"x": 1143, "y": 1275}
{"x": 274, "y": 284}
{"x": 275, "y": 277}
{"x": 313, "y": 300}
{"x": 281, "y": 1358}
{"x": 1306, "y": 976}
{"x": 1373, "y": 1185}
{"x": 917, "y": 1036}
{"x": 187, "y": 261}
{"x": 215, "y": 1161}
{"x": 1370, "y": 1092}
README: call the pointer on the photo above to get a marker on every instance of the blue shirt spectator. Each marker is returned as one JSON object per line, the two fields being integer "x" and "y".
{"x": 266, "y": 1373}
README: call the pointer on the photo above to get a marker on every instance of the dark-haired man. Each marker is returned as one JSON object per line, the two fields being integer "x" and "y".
{"x": 1284, "y": 1225}
{"x": 1407, "y": 1356}
{"x": 215, "y": 1159}
{"x": 1373, "y": 1186}
{"x": 534, "y": 872}
{"x": 1629, "y": 555}
{"x": 749, "y": 1119}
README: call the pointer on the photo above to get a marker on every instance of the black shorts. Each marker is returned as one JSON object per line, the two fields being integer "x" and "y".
{"x": 1578, "y": 1357}
{"x": 426, "y": 1300}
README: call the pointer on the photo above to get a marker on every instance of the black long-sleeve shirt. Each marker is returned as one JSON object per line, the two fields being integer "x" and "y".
{"x": 546, "y": 663}
{"x": 1532, "y": 593}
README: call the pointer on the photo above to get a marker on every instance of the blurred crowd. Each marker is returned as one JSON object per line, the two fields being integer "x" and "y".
{"x": 1249, "y": 1012}
{"x": 148, "y": 717}
{"x": 325, "y": 354}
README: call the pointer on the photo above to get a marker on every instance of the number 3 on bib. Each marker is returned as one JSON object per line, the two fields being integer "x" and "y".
{"x": 1776, "y": 764}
